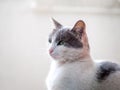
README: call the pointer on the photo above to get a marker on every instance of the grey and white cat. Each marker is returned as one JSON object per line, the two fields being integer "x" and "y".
{"x": 73, "y": 67}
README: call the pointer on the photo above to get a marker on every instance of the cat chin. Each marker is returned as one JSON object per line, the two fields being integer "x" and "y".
{"x": 55, "y": 57}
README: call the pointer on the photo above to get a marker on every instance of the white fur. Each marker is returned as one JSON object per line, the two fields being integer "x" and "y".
{"x": 77, "y": 75}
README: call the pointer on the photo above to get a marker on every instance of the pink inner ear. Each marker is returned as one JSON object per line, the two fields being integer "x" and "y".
{"x": 80, "y": 23}
{"x": 79, "y": 26}
{"x": 78, "y": 31}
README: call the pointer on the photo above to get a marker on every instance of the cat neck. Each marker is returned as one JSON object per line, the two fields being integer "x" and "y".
{"x": 85, "y": 59}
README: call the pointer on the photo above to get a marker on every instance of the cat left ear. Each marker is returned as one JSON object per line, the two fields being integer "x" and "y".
{"x": 79, "y": 27}
{"x": 57, "y": 24}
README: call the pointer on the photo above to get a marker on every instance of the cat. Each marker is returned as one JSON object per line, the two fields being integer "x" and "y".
{"x": 72, "y": 67}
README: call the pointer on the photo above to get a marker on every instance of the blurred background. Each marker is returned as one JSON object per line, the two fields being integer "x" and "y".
{"x": 26, "y": 24}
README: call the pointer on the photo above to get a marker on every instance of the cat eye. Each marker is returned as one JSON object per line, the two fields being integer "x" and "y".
{"x": 60, "y": 43}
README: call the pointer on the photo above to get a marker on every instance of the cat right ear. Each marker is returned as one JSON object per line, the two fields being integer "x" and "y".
{"x": 79, "y": 27}
{"x": 57, "y": 24}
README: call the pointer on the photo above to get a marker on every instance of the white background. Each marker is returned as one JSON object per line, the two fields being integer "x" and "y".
{"x": 24, "y": 30}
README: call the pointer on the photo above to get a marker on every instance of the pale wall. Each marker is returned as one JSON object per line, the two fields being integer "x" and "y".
{"x": 24, "y": 61}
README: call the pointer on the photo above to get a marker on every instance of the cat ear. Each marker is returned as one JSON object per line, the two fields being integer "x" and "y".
{"x": 57, "y": 24}
{"x": 79, "y": 27}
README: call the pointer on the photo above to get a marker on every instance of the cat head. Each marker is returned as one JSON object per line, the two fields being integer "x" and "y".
{"x": 68, "y": 44}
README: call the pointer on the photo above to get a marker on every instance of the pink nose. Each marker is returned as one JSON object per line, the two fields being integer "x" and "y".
{"x": 50, "y": 50}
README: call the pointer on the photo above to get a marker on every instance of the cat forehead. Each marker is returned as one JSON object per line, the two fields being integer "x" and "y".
{"x": 69, "y": 38}
{"x": 63, "y": 29}
{"x": 59, "y": 33}
{"x": 56, "y": 33}
{"x": 64, "y": 34}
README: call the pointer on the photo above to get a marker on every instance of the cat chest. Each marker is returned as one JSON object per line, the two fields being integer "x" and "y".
{"x": 73, "y": 77}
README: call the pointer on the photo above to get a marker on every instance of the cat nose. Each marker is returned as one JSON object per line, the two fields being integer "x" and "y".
{"x": 50, "y": 50}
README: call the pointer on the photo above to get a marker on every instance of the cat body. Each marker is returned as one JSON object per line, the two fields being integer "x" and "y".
{"x": 71, "y": 76}
{"x": 73, "y": 67}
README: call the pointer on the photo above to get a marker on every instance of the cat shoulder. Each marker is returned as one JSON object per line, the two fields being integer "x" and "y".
{"x": 105, "y": 69}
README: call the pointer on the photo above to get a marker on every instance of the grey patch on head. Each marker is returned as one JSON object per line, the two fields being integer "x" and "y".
{"x": 69, "y": 38}
{"x": 78, "y": 32}
{"x": 51, "y": 34}
{"x": 58, "y": 26}
{"x": 106, "y": 69}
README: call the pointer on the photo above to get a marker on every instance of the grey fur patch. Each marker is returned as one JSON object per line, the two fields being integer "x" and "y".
{"x": 51, "y": 34}
{"x": 106, "y": 69}
{"x": 69, "y": 38}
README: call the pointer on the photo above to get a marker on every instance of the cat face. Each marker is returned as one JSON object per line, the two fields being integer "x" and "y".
{"x": 68, "y": 44}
